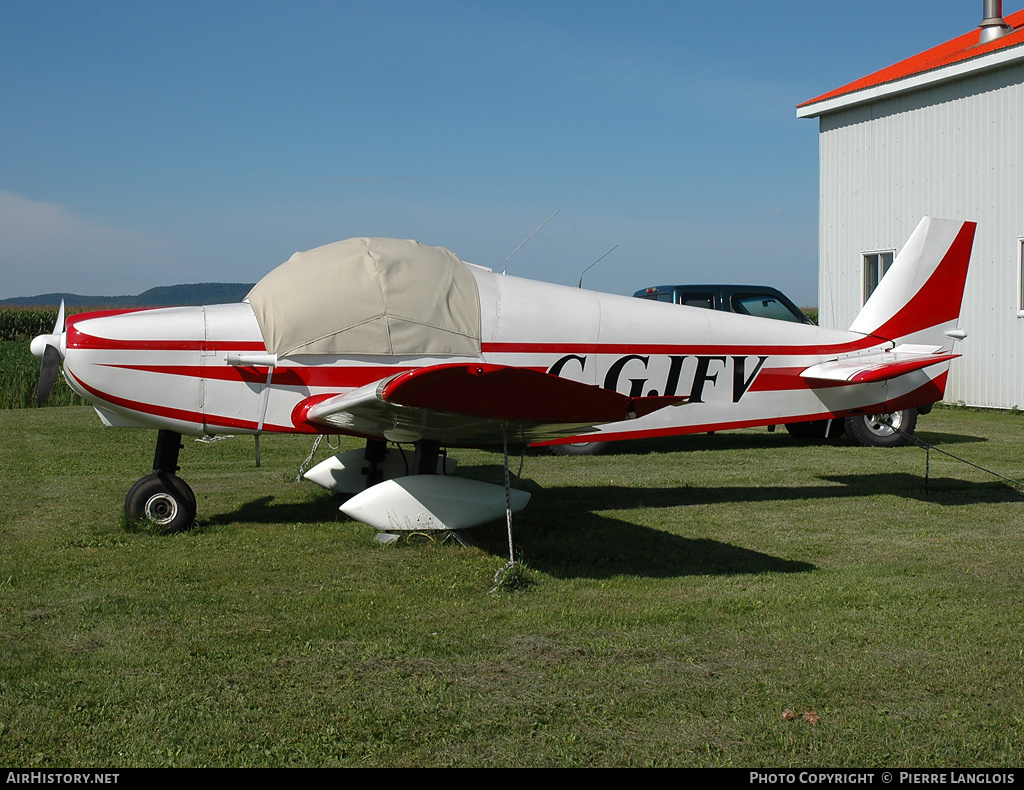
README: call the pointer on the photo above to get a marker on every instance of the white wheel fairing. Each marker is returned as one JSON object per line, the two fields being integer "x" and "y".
{"x": 431, "y": 502}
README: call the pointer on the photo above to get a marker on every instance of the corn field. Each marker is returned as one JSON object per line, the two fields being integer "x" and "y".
{"x": 19, "y": 370}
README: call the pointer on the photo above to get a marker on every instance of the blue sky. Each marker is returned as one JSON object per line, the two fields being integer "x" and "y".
{"x": 150, "y": 143}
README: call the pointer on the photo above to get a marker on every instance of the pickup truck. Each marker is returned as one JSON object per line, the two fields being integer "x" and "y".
{"x": 868, "y": 430}
{"x": 759, "y": 300}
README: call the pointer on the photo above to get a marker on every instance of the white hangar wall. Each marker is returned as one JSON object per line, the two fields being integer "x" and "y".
{"x": 954, "y": 150}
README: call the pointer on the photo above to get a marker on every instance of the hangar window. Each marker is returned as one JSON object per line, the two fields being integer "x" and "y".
{"x": 876, "y": 264}
{"x": 1020, "y": 278}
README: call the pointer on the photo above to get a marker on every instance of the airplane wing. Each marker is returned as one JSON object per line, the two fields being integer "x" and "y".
{"x": 876, "y": 366}
{"x": 473, "y": 404}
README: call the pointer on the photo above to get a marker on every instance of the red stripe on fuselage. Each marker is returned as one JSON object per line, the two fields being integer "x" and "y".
{"x": 769, "y": 380}
{"x": 205, "y": 421}
{"x": 669, "y": 349}
{"x": 337, "y": 377}
{"x": 74, "y": 319}
{"x": 182, "y": 415}
{"x": 928, "y": 393}
{"x": 79, "y": 339}
{"x": 784, "y": 379}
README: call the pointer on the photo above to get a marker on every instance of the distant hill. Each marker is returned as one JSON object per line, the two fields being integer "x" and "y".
{"x": 162, "y": 296}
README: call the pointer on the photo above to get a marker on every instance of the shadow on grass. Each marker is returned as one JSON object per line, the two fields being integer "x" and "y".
{"x": 744, "y": 440}
{"x": 562, "y": 534}
{"x": 607, "y": 547}
{"x": 264, "y": 510}
{"x": 933, "y": 437}
{"x": 944, "y": 491}
{"x": 694, "y": 442}
{"x": 582, "y": 543}
{"x": 936, "y": 490}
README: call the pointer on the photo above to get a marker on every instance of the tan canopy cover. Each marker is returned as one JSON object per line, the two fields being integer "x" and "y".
{"x": 369, "y": 296}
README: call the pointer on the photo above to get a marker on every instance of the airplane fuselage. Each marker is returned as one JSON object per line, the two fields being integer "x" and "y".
{"x": 206, "y": 370}
{"x": 398, "y": 342}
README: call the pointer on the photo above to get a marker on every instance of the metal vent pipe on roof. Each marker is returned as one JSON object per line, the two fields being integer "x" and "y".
{"x": 993, "y": 26}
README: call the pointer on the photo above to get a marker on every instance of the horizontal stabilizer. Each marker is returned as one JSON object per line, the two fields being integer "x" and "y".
{"x": 872, "y": 367}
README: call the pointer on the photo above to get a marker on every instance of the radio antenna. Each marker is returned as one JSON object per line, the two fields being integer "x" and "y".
{"x": 505, "y": 270}
{"x": 591, "y": 266}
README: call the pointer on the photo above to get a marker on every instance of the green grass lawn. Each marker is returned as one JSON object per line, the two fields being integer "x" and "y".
{"x": 686, "y": 593}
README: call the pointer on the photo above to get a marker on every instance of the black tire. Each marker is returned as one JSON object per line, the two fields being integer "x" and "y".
{"x": 163, "y": 501}
{"x": 882, "y": 430}
{"x": 814, "y": 432}
{"x": 580, "y": 448}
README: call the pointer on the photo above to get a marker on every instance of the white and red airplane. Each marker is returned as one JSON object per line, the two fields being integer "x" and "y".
{"x": 398, "y": 342}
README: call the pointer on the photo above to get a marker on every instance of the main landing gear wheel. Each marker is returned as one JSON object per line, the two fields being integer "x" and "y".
{"x": 882, "y": 430}
{"x": 162, "y": 500}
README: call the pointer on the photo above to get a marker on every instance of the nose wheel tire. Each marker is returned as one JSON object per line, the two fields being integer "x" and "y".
{"x": 882, "y": 430}
{"x": 162, "y": 500}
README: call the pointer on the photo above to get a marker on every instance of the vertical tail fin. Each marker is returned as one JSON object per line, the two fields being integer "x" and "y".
{"x": 919, "y": 298}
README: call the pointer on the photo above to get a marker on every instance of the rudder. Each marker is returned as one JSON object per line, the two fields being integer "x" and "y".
{"x": 920, "y": 296}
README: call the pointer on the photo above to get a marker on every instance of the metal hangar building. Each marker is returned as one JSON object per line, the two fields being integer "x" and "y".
{"x": 942, "y": 134}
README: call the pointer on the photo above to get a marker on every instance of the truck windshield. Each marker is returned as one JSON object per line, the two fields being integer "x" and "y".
{"x": 763, "y": 305}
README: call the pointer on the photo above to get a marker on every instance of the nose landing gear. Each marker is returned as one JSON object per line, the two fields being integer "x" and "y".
{"x": 162, "y": 499}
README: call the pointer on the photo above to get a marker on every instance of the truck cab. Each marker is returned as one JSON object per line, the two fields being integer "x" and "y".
{"x": 758, "y": 300}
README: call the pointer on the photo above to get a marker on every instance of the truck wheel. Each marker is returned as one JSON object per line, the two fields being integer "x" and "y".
{"x": 580, "y": 448}
{"x": 882, "y": 430}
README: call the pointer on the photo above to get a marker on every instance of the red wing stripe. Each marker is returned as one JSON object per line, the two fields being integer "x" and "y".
{"x": 499, "y": 392}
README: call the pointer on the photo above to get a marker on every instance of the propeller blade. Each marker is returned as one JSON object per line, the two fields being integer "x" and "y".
{"x": 47, "y": 374}
{"x": 48, "y": 347}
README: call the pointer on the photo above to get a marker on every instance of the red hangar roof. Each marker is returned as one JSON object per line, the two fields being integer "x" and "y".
{"x": 959, "y": 57}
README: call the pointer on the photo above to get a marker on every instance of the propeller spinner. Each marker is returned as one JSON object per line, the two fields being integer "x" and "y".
{"x": 49, "y": 348}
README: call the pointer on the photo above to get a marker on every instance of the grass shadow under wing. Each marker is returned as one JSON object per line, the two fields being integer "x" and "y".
{"x": 605, "y": 547}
